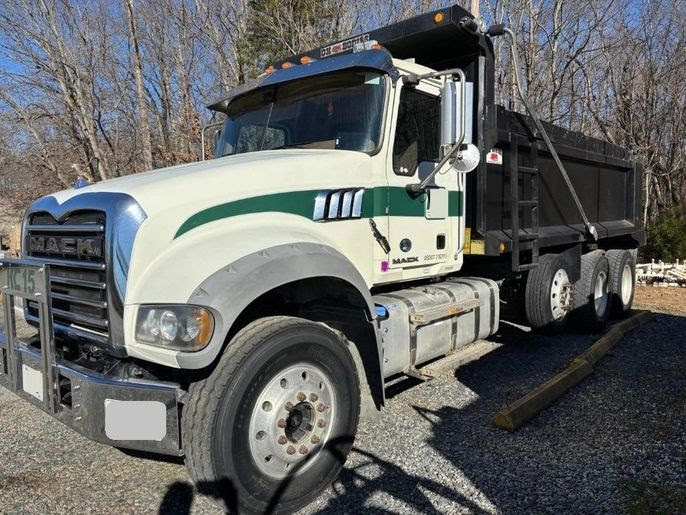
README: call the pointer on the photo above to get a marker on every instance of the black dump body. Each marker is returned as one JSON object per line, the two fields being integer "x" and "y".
{"x": 604, "y": 176}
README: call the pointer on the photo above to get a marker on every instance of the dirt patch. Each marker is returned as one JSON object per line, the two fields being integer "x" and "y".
{"x": 33, "y": 480}
{"x": 668, "y": 300}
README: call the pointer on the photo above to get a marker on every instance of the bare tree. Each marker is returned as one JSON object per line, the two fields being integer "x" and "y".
{"x": 140, "y": 88}
{"x": 104, "y": 89}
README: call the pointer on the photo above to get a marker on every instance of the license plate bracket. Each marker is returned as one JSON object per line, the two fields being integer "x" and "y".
{"x": 25, "y": 279}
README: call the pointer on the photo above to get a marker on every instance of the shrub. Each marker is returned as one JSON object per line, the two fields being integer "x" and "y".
{"x": 667, "y": 237}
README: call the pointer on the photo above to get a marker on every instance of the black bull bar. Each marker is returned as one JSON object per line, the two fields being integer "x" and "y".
{"x": 123, "y": 412}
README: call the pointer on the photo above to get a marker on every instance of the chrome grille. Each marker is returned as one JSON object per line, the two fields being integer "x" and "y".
{"x": 75, "y": 250}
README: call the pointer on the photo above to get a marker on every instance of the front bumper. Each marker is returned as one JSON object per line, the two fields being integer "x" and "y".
{"x": 92, "y": 393}
{"x": 129, "y": 413}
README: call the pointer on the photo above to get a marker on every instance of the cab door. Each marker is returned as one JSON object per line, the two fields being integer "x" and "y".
{"x": 420, "y": 231}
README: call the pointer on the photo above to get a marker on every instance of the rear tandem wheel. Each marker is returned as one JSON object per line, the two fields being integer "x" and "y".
{"x": 592, "y": 299}
{"x": 548, "y": 294}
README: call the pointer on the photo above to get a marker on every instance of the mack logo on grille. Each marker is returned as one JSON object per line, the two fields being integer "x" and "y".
{"x": 66, "y": 246}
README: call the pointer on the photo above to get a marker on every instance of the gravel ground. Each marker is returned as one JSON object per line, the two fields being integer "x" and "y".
{"x": 616, "y": 443}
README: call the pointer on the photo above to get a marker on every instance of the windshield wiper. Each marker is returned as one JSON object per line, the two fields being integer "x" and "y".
{"x": 291, "y": 145}
{"x": 266, "y": 125}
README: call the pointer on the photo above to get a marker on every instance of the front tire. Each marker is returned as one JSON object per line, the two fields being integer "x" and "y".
{"x": 271, "y": 427}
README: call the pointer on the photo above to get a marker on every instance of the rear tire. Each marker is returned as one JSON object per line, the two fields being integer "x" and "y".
{"x": 592, "y": 300}
{"x": 622, "y": 280}
{"x": 272, "y": 425}
{"x": 548, "y": 294}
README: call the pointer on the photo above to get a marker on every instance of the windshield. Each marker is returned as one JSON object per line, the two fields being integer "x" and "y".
{"x": 341, "y": 110}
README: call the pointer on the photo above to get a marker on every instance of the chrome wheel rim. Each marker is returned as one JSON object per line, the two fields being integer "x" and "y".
{"x": 291, "y": 420}
{"x": 560, "y": 295}
{"x": 600, "y": 294}
{"x": 627, "y": 284}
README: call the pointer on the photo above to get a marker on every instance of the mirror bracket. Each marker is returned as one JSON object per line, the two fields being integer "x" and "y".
{"x": 411, "y": 80}
{"x": 414, "y": 189}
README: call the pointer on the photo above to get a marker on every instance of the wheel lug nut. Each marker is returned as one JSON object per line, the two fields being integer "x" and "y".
{"x": 316, "y": 440}
{"x": 289, "y": 406}
{"x": 303, "y": 449}
{"x": 282, "y": 440}
{"x": 321, "y": 423}
{"x": 281, "y": 423}
{"x": 320, "y": 407}
{"x": 290, "y": 450}
{"x": 313, "y": 397}
{"x": 301, "y": 396}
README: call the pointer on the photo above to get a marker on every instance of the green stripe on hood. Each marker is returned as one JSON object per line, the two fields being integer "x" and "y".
{"x": 301, "y": 203}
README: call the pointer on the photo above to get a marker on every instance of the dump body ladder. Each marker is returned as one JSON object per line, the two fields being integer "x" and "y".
{"x": 529, "y": 176}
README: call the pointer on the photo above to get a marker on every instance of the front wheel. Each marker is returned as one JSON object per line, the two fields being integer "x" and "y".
{"x": 271, "y": 427}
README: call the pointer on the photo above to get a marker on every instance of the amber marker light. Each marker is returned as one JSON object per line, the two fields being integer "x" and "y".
{"x": 376, "y": 46}
{"x": 269, "y": 69}
{"x": 286, "y": 65}
{"x": 306, "y": 59}
{"x": 439, "y": 17}
{"x": 206, "y": 323}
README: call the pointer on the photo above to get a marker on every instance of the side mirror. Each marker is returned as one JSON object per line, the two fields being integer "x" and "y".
{"x": 468, "y": 159}
{"x": 216, "y": 138}
{"x": 456, "y": 124}
{"x": 452, "y": 114}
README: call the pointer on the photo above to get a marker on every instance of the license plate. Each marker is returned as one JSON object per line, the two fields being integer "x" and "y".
{"x": 32, "y": 382}
{"x": 135, "y": 420}
{"x": 24, "y": 281}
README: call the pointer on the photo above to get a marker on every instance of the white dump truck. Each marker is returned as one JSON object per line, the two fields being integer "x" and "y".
{"x": 369, "y": 209}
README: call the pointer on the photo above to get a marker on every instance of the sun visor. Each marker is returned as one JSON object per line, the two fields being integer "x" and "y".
{"x": 379, "y": 60}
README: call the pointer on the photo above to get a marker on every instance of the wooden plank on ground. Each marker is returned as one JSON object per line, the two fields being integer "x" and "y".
{"x": 515, "y": 415}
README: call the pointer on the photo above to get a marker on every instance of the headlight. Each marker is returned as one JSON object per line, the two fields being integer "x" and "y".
{"x": 181, "y": 327}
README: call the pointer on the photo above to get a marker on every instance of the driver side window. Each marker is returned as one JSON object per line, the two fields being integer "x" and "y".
{"x": 417, "y": 134}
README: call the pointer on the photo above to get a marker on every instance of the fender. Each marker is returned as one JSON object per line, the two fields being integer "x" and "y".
{"x": 230, "y": 290}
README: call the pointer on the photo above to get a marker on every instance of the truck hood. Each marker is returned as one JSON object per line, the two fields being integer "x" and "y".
{"x": 195, "y": 186}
